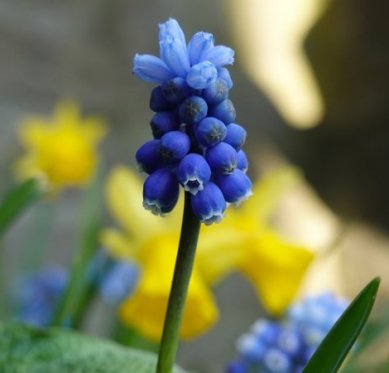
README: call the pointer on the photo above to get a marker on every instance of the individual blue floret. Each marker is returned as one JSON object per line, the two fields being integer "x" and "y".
{"x": 174, "y": 146}
{"x": 164, "y": 122}
{"x": 192, "y": 110}
{"x": 242, "y": 161}
{"x": 222, "y": 158}
{"x": 216, "y": 92}
{"x": 201, "y": 75}
{"x": 199, "y": 44}
{"x": 236, "y": 136}
{"x": 193, "y": 173}
{"x": 148, "y": 156}
{"x": 158, "y": 101}
{"x": 224, "y": 111}
{"x": 236, "y": 186}
{"x": 160, "y": 191}
{"x": 209, "y": 204}
{"x": 175, "y": 90}
{"x": 210, "y": 131}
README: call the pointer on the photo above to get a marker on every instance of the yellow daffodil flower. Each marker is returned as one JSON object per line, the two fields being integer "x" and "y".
{"x": 243, "y": 242}
{"x": 60, "y": 150}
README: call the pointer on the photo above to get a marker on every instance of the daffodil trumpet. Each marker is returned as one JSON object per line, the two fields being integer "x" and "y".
{"x": 190, "y": 230}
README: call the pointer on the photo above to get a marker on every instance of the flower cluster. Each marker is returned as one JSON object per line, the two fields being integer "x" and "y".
{"x": 286, "y": 347}
{"x": 196, "y": 142}
{"x": 38, "y": 295}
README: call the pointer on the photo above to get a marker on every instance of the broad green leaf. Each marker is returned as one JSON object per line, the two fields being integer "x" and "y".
{"x": 18, "y": 199}
{"x": 25, "y": 349}
{"x": 335, "y": 346}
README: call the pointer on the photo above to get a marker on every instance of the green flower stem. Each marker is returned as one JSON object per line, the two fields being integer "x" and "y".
{"x": 77, "y": 287}
{"x": 184, "y": 263}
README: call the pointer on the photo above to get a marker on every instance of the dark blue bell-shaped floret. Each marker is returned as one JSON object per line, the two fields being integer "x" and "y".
{"x": 222, "y": 158}
{"x": 243, "y": 163}
{"x": 158, "y": 101}
{"x": 192, "y": 110}
{"x": 224, "y": 111}
{"x": 174, "y": 146}
{"x": 201, "y": 75}
{"x": 210, "y": 131}
{"x": 163, "y": 122}
{"x": 216, "y": 92}
{"x": 236, "y": 186}
{"x": 238, "y": 366}
{"x": 209, "y": 204}
{"x": 148, "y": 156}
{"x": 176, "y": 90}
{"x": 160, "y": 191}
{"x": 193, "y": 173}
{"x": 224, "y": 74}
{"x": 236, "y": 136}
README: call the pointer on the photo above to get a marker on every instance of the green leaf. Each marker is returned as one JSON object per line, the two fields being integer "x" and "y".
{"x": 24, "y": 349}
{"x": 335, "y": 346}
{"x": 17, "y": 200}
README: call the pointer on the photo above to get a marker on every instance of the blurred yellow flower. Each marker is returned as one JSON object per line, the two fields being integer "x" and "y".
{"x": 242, "y": 242}
{"x": 60, "y": 150}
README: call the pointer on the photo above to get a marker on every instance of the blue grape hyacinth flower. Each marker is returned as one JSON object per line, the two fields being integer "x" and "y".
{"x": 38, "y": 295}
{"x": 195, "y": 142}
{"x": 285, "y": 346}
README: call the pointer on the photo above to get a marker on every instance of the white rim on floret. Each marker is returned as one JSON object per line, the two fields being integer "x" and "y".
{"x": 212, "y": 217}
{"x": 153, "y": 206}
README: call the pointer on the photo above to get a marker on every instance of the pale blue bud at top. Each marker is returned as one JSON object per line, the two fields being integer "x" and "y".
{"x": 148, "y": 157}
{"x": 243, "y": 163}
{"x": 193, "y": 110}
{"x": 160, "y": 191}
{"x": 158, "y": 101}
{"x": 176, "y": 90}
{"x": 119, "y": 283}
{"x": 199, "y": 44}
{"x": 151, "y": 69}
{"x": 236, "y": 186}
{"x": 193, "y": 173}
{"x": 224, "y": 74}
{"x": 236, "y": 136}
{"x": 175, "y": 55}
{"x": 216, "y": 92}
{"x": 224, "y": 111}
{"x": 219, "y": 56}
{"x": 222, "y": 158}
{"x": 174, "y": 146}
{"x": 201, "y": 75}
{"x": 171, "y": 28}
{"x": 163, "y": 122}
{"x": 209, "y": 204}
{"x": 210, "y": 131}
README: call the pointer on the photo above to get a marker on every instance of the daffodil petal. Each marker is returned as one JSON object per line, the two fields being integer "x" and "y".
{"x": 267, "y": 192}
{"x": 276, "y": 269}
{"x": 118, "y": 245}
{"x": 145, "y": 309}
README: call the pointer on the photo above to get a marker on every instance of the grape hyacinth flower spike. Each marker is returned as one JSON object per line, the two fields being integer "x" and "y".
{"x": 196, "y": 142}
